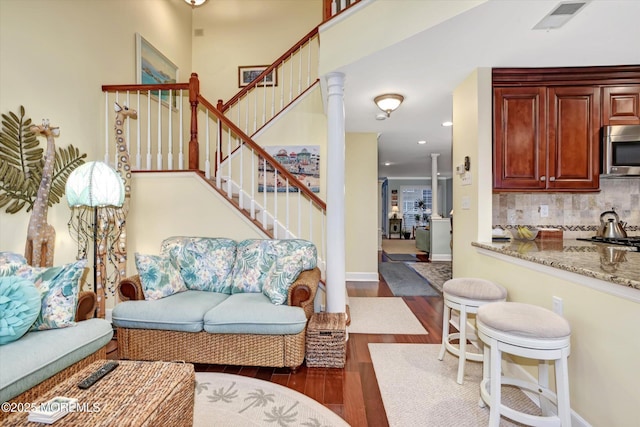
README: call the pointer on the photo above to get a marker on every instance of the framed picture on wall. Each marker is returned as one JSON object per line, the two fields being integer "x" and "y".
{"x": 247, "y": 74}
{"x": 153, "y": 68}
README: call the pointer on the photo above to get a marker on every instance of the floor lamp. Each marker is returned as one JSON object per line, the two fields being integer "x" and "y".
{"x": 95, "y": 193}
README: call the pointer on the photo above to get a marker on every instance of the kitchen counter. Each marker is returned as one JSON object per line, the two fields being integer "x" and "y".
{"x": 611, "y": 263}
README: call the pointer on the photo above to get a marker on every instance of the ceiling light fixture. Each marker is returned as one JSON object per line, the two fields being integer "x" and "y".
{"x": 387, "y": 164}
{"x": 388, "y": 102}
{"x": 422, "y": 142}
{"x": 447, "y": 124}
{"x": 195, "y": 3}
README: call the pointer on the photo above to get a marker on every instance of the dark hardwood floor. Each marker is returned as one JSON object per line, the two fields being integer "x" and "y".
{"x": 351, "y": 392}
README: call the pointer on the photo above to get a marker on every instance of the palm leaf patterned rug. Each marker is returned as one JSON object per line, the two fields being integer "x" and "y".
{"x": 235, "y": 400}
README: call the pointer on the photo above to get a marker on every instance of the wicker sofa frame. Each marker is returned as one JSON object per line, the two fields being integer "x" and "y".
{"x": 219, "y": 349}
{"x": 85, "y": 310}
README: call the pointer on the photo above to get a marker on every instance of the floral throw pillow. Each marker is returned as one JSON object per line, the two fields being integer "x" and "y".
{"x": 58, "y": 287}
{"x": 253, "y": 261}
{"x": 281, "y": 275}
{"x": 19, "y": 307}
{"x": 159, "y": 277}
{"x": 10, "y": 262}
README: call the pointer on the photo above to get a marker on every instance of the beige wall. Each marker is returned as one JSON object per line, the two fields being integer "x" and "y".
{"x": 179, "y": 204}
{"x": 341, "y": 45}
{"x": 244, "y": 33}
{"x": 361, "y": 213}
{"x": 603, "y": 367}
{"x": 54, "y": 57}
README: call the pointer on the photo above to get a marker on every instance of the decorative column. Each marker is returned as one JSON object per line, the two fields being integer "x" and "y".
{"x": 336, "y": 252}
{"x": 434, "y": 185}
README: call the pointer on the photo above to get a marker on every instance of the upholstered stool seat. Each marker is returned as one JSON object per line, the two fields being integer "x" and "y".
{"x": 465, "y": 295}
{"x": 532, "y": 332}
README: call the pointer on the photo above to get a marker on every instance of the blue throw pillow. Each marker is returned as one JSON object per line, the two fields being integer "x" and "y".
{"x": 19, "y": 307}
{"x": 58, "y": 288}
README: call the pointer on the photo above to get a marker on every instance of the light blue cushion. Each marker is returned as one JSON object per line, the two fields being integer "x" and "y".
{"x": 180, "y": 312}
{"x": 159, "y": 276}
{"x": 39, "y": 355}
{"x": 19, "y": 307}
{"x": 58, "y": 287}
{"x": 253, "y": 313}
{"x": 205, "y": 263}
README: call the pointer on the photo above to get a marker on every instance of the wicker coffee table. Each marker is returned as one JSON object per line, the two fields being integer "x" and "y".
{"x": 134, "y": 394}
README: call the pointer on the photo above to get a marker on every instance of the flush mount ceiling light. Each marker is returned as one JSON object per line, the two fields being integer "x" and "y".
{"x": 422, "y": 142}
{"x": 388, "y": 102}
{"x": 195, "y": 3}
{"x": 447, "y": 124}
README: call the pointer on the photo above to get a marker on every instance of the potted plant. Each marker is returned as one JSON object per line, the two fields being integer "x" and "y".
{"x": 406, "y": 233}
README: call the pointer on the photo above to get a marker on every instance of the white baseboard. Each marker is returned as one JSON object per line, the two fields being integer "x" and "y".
{"x": 440, "y": 257}
{"x": 362, "y": 277}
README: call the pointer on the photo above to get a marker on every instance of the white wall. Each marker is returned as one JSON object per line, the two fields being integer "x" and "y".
{"x": 603, "y": 366}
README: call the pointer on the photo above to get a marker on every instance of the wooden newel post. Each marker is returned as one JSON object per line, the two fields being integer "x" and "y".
{"x": 194, "y": 149}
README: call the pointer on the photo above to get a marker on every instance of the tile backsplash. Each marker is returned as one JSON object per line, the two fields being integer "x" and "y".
{"x": 578, "y": 214}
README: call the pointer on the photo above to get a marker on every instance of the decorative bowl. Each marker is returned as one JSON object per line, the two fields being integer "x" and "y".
{"x": 520, "y": 232}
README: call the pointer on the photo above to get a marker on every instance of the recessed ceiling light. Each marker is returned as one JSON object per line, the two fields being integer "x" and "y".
{"x": 422, "y": 142}
{"x": 447, "y": 124}
{"x": 387, "y": 163}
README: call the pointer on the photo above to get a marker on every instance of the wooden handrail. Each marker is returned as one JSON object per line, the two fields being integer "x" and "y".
{"x": 276, "y": 63}
{"x": 142, "y": 88}
{"x": 247, "y": 140}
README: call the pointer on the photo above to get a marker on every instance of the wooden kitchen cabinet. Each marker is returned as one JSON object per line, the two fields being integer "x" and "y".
{"x": 519, "y": 144}
{"x": 573, "y": 137}
{"x": 546, "y": 138}
{"x": 621, "y": 105}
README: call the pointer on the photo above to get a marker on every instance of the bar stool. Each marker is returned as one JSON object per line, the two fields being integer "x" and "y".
{"x": 532, "y": 332}
{"x": 465, "y": 295}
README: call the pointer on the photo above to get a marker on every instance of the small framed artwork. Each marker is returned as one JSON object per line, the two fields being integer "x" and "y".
{"x": 152, "y": 68}
{"x": 247, "y": 74}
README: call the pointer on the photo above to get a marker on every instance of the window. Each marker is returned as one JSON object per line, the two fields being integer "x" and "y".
{"x": 410, "y": 205}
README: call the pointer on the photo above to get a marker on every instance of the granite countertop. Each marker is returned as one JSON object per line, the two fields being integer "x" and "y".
{"x": 612, "y": 263}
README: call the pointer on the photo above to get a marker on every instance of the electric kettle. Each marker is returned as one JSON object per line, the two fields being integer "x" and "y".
{"x": 610, "y": 225}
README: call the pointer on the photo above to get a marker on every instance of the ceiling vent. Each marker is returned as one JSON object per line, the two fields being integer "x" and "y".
{"x": 560, "y": 15}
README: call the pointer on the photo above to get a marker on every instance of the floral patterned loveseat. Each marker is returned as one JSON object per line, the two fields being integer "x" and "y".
{"x": 218, "y": 301}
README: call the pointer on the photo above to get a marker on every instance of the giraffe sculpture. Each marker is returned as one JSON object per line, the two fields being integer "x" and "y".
{"x": 41, "y": 236}
{"x": 123, "y": 167}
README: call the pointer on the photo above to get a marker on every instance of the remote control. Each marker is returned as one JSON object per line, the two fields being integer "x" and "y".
{"x": 97, "y": 375}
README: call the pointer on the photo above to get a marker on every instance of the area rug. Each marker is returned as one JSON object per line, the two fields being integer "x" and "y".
{"x": 404, "y": 281}
{"x": 382, "y": 315}
{"x": 436, "y": 272}
{"x": 418, "y": 389}
{"x": 238, "y": 401}
{"x": 402, "y": 257}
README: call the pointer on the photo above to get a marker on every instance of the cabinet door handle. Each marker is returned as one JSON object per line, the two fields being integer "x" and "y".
{"x": 552, "y": 178}
{"x": 543, "y": 178}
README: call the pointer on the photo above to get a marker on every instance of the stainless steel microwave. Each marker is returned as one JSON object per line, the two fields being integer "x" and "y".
{"x": 620, "y": 150}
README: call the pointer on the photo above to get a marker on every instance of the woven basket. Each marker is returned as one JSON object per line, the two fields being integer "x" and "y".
{"x": 326, "y": 340}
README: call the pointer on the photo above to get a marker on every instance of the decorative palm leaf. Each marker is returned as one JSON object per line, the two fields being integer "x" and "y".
{"x": 22, "y": 160}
